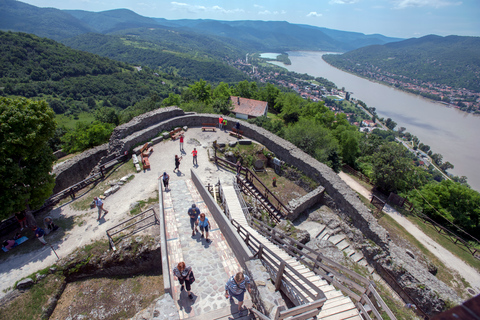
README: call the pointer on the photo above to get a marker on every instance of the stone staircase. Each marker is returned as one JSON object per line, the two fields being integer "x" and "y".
{"x": 341, "y": 242}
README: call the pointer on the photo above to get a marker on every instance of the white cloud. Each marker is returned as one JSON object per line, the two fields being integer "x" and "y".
{"x": 196, "y": 8}
{"x": 314, "y": 14}
{"x": 258, "y": 6}
{"x": 402, "y": 4}
{"x": 343, "y": 1}
{"x": 265, "y": 12}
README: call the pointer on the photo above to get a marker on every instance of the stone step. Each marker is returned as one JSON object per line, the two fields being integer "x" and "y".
{"x": 342, "y": 245}
{"x": 336, "y": 238}
{"x": 326, "y": 236}
{"x": 323, "y": 233}
{"x": 349, "y": 251}
{"x": 370, "y": 269}
{"x": 357, "y": 256}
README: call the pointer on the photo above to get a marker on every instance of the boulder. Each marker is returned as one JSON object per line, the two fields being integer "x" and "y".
{"x": 166, "y": 135}
{"x": 232, "y": 144}
{"x": 302, "y": 236}
{"x": 111, "y": 191}
{"x": 25, "y": 284}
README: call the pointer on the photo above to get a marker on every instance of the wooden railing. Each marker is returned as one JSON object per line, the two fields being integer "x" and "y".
{"x": 301, "y": 291}
{"x": 266, "y": 194}
{"x": 452, "y": 236}
{"x": 131, "y": 226}
{"x": 357, "y": 174}
{"x": 357, "y": 287}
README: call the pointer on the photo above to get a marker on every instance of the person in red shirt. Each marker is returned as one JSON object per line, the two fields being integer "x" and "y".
{"x": 194, "y": 153}
{"x": 181, "y": 143}
{"x": 220, "y": 122}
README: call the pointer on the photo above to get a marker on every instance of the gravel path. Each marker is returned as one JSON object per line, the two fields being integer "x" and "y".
{"x": 448, "y": 259}
{"x": 143, "y": 186}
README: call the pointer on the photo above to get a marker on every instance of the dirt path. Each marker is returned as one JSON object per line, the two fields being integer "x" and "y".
{"x": 143, "y": 186}
{"x": 448, "y": 259}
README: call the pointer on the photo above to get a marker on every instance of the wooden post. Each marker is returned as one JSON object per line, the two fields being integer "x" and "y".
{"x": 278, "y": 278}
{"x": 247, "y": 238}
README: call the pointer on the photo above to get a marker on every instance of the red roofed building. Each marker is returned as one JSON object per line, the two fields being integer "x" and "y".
{"x": 248, "y": 108}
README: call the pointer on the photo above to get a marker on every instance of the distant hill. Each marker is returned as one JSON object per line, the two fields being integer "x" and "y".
{"x": 44, "y": 22}
{"x": 256, "y": 35}
{"x": 73, "y": 81}
{"x": 452, "y": 60}
{"x": 188, "y": 55}
{"x": 113, "y": 20}
{"x": 281, "y": 35}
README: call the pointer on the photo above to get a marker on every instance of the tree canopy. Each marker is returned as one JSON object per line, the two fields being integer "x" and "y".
{"x": 25, "y": 157}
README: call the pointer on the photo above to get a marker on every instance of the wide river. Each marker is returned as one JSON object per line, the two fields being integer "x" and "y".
{"x": 448, "y": 131}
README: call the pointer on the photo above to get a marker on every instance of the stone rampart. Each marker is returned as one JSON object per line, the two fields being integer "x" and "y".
{"x": 343, "y": 195}
{"x": 147, "y": 126}
{"x": 78, "y": 168}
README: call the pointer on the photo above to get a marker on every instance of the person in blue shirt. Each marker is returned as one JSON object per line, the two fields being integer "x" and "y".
{"x": 193, "y": 212}
{"x": 204, "y": 225}
{"x": 39, "y": 233}
{"x": 236, "y": 287}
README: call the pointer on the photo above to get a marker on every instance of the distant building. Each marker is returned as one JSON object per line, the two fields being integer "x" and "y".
{"x": 248, "y": 108}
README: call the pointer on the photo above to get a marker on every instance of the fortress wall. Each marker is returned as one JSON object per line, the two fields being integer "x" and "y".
{"x": 145, "y": 120}
{"x": 78, "y": 168}
{"x": 145, "y": 127}
{"x": 346, "y": 199}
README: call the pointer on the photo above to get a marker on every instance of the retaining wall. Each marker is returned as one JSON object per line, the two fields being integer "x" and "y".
{"x": 78, "y": 168}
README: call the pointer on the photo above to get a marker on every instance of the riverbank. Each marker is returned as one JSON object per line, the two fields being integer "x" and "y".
{"x": 448, "y": 131}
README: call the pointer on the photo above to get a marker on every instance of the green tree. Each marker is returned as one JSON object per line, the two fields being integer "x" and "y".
{"x": 201, "y": 91}
{"x": 392, "y": 168}
{"x": 450, "y": 200}
{"x": 390, "y": 124}
{"x": 86, "y": 136}
{"x": 25, "y": 157}
{"x": 107, "y": 115}
{"x": 314, "y": 139}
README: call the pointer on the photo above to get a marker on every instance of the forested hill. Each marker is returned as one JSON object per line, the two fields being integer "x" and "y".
{"x": 281, "y": 35}
{"x": 453, "y": 61}
{"x": 44, "y": 22}
{"x": 187, "y": 55}
{"x": 261, "y": 35}
{"x": 73, "y": 81}
{"x": 26, "y": 57}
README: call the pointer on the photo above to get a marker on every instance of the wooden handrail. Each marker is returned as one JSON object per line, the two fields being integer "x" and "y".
{"x": 247, "y": 173}
{"x": 296, "y": 250}
{"x": 270, "y": 258}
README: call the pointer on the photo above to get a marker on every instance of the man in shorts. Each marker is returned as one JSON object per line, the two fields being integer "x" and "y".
{"x": 193, "y": 213}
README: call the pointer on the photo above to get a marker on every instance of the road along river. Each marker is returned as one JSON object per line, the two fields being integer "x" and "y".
{"x": 448, "y": 131}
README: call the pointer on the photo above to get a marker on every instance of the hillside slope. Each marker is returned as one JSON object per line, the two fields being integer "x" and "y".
{"x": 452, "y": 61}
{"x": 44, "y": 22}
{"x": 73, "y": 81}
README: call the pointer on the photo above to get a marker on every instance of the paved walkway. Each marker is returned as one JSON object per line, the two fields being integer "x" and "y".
{"x": 212, "y": 263}
{"x": 450, "y": 260}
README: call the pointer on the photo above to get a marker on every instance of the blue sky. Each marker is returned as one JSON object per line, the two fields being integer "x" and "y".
{"x": 396, "y": 18}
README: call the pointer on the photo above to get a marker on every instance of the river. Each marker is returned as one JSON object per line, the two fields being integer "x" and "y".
{"x": 448, "y": 131}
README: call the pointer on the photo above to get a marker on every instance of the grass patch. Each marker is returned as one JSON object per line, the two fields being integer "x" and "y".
{"x": 29, "y": 304}
{"x": 404, "y": 239}
{"x": 143, "y": 204}
{"x": 442, "y": 240}
{"x": 71, "y": 121}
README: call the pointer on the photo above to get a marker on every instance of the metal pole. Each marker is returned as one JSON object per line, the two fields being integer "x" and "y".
{"x": 55, "y": 252}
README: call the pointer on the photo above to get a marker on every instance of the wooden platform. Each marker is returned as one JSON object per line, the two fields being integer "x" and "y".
{"x": 337, "y": 306}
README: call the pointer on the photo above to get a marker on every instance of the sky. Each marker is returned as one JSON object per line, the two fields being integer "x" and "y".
{"x": 394, "y": 18}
